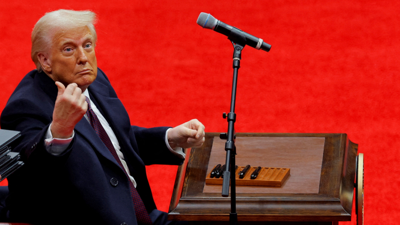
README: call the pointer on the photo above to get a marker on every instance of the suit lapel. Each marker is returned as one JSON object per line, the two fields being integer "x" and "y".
{"x": 85, "y": 129}
{"x": 119, "y": 122}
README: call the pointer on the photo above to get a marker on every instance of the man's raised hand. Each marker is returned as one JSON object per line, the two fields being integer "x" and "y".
{"x": 69, "y": 109}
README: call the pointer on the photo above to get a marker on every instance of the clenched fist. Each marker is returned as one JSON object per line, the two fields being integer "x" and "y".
{"x": 187, "y": 135}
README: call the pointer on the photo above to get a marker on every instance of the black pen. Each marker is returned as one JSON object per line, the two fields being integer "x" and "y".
{"x": 244, "y": 171}
{"x": 255, "y": 173}
{"x": 213, "y": 172}
{"x": 219, "y": 172}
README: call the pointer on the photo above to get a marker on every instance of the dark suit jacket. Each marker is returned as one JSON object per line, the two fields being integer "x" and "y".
{"x": 84, "y": 185}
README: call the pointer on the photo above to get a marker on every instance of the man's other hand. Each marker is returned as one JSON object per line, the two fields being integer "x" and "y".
{"x": 187, "y": 135}
{"x": 69, "y": 109}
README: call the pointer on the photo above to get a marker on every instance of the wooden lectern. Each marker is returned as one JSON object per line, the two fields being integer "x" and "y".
{"x": 319, "y": 189}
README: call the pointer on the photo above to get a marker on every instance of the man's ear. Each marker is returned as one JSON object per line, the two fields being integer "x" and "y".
{"x": 45, "y": 62}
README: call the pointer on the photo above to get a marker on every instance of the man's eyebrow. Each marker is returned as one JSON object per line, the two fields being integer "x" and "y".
{"x": 88, "y": 37}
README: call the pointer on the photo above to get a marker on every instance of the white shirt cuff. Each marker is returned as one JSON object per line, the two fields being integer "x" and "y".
{"x": 56, "y": 146}
{"x": 177, "y": 151}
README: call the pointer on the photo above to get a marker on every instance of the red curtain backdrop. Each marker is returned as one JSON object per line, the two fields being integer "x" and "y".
{"x": 332, "y": 69}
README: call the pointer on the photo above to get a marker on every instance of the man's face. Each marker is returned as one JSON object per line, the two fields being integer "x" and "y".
{"x": 72, "y": 57}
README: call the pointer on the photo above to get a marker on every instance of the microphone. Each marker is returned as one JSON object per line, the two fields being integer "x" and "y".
{"x": 234, "y": 34}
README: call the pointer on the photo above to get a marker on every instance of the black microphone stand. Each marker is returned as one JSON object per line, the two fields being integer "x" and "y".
{"x": 230, "y": 148}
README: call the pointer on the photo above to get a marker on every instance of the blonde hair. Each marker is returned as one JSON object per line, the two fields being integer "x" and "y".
{"x": 52, "y": 22}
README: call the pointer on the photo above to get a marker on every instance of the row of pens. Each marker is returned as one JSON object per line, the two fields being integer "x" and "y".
{"x": 218, "y": 170}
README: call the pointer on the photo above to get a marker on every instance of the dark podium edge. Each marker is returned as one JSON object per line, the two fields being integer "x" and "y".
{"x": 333, "y": 203}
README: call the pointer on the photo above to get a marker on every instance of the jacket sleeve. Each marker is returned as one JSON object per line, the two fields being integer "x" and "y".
{"x": 32, "y": 121}
{"x": 152, "y": 147}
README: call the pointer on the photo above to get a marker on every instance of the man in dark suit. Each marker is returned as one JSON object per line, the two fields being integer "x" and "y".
{"x": 84, "y": 162}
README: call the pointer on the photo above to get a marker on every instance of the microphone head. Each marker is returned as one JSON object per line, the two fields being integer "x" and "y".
{"x": 206, "y": 21}
{"x": 266, "y": 46}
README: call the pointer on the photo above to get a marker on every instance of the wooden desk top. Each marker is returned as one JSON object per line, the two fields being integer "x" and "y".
{"x": 320, "y": 188}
